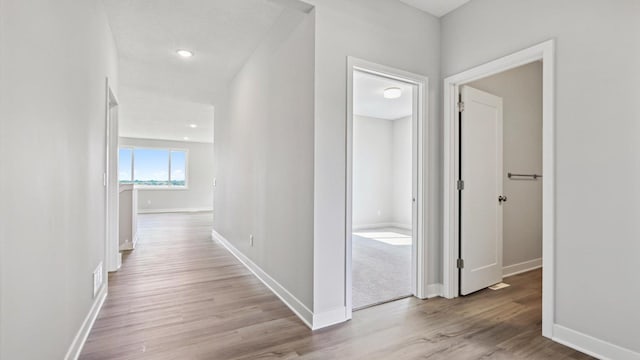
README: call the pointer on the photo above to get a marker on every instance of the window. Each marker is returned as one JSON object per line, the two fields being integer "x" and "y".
{"x": 153, "y": 167}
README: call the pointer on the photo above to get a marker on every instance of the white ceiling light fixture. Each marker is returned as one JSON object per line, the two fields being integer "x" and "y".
{"x": 193, "y": 126}
{"x": 184, "y": 53}
{"x": 186, "y": 138}
{"x": 392, "y": 93}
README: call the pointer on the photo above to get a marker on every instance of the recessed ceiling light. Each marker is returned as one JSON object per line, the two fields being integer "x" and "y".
{"x": 193, "y": 126}
{"x": 186, "y": 138}
{"x": 392, "y": 93}
{"x": 184, "y": 53}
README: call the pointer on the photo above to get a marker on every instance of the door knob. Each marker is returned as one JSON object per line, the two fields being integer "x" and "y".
{"x": 502, "y": 199}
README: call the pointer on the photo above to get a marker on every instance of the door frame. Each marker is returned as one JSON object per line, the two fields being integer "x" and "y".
{"x": 545, "y": 52}
{"x": 420, "y": 134}
{"x": 113, "y": 258}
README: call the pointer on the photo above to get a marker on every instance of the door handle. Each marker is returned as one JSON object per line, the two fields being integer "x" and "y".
{"x": 502, "y": 199}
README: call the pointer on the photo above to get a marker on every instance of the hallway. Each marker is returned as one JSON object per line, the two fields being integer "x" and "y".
{"x": 181, "y": 296}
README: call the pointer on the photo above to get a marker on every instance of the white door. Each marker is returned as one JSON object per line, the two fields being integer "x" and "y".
{"x": 481, "y": 196}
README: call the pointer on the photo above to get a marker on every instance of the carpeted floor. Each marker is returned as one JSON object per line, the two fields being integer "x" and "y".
{"x": 381, "y": 266}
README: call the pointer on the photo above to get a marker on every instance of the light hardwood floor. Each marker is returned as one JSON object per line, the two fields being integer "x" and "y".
{"x": 179, "y": 295}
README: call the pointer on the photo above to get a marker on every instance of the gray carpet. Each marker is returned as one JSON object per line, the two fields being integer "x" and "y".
{"x": 381, "y": 266}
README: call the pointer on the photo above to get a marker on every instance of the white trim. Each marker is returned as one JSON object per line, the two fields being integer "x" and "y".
{"x": 544, "y": 52}
{"x": 83, "y": 333}
{"x": 434, "y": 290}
{"x": 522, "y": 267}
{"x": 113, "y": 258}
{"x": 360, "y": 227}
{"x": 420, "y": 185}
{"x": 592, "y": 346}
{"x": 328, "y": 318}
{"x": 177, "y": 210}
{"x": 280, "y": 291}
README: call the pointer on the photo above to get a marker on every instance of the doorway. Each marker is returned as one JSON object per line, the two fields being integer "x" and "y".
{"x": 384, "y": 235}
{"x": 477, "y": 175}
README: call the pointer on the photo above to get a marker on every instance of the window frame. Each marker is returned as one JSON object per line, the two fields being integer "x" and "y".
{"x": 133, "y": 148}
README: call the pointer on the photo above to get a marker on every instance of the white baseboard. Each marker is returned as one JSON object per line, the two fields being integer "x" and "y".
{"x": 381, "y": 225}
{"x": 289, "y": 299}
{"x": 522, "y": 267}
{"x": 81, "y": 336}
{"x": 179, "y": 210}
{"x": 434, "y": 290}
{"x": 401, "y": 226}
{"x": 592, "y": 346}
{"x": 369, "y": 226}
{"x": 328, "y": 318}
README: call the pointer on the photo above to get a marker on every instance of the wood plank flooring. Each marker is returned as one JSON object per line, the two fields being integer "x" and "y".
{"x": 179, "y": 295}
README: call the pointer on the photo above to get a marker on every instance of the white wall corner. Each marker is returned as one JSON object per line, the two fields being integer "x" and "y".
{"x": 434, "y": 290}
{"x": 328, "y": 318}
{"x": 280, "y": 291}
{"x": 591, "y": 346}
{"x": 83, "y": 333}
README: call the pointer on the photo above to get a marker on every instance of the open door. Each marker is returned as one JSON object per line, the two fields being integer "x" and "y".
{"x": 481, "y": 196}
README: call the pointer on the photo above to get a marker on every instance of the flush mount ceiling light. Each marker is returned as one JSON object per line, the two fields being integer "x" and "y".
{"x": 186, "y": 138}
{"x": 193, "y": 126}
{"x": 392, "y": 93}
{"x": 184, "y": 53}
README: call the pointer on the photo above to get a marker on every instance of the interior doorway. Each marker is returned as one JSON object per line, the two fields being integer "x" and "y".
{"x": 499, "y": 174}
{"x": 383, "y": 159}
{"x": 384, "y": 236}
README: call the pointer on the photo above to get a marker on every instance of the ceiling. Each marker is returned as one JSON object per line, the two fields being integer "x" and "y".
{"x": 221, "y": 33}
{"x": 369, "y": 100}
{"x": 436, "y": 7}
{"x": 164, "y": 92}
{"x": 147, "y": 115}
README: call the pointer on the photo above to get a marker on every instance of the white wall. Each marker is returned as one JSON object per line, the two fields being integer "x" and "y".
{"x": 198, "y": 196}
{"x": 402, "y": 171}
{"x": 54, "y": 58}
{"x": 372, "y": 172}
{"x": 597, "y": 147}
{"x": 385, "y": 32}
{"x": 521, "y": 91}
{"x": 264, "y": 156}
{"x": 381, "y": 172}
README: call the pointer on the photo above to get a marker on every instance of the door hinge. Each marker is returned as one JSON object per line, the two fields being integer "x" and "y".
{"x": 461, "y": 106}
{"x": 460, "y": 185}
{"x": 460, "y": 264}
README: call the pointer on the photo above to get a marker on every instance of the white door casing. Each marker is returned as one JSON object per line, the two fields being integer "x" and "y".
{"x": 420, "y": 135}
{"x": 481, "y": 171}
